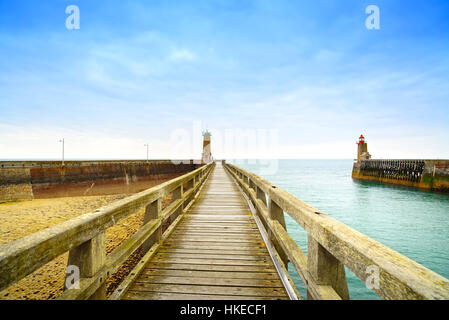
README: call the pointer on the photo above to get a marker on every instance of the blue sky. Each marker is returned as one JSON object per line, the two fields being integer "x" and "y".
{"x": 152, "y": 71}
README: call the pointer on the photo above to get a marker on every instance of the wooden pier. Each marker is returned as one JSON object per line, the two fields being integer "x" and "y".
{"x": 222, "y": 236}
{"x": 216, "y": 252}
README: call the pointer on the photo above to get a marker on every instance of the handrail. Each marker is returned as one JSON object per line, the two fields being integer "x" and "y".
{"x": 84, "y": 236}
{"x": 333, "y": 245}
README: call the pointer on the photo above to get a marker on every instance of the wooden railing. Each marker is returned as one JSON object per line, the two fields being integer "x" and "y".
{"x": 332, "y": 246}
{"x": 84, "y": 237}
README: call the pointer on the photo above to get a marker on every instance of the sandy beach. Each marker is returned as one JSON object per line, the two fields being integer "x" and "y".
{"x": 22, "y": 218}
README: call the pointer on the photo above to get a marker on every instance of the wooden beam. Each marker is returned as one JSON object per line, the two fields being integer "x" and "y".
{"x": 325, "y": 269}
{"x": 152, "y": 212}
{"x": 89, "y": 258}
{"x": 275, "y": 213}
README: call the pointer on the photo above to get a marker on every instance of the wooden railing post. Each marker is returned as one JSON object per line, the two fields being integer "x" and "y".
{"x": 152, "y": 211}
{"x": 190, "y": 185}
{"x": 261, "y": 195}
{"x": 89, "y": 258}
{"x": 325, "y": 269}
{"x": 251, "y": 184}
{"x": 277, "y": 214}
{"x": 178, "y": 194}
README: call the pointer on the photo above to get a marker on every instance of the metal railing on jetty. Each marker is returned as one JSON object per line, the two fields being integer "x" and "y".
{"x": 410, "y": 170}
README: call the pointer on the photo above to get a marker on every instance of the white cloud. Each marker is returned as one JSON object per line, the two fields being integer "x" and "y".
{"x": 182, "y": 55}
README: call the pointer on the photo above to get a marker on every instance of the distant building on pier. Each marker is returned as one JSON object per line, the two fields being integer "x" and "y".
{"x": 362, "y": 149}
{"x": 207, "y": 154}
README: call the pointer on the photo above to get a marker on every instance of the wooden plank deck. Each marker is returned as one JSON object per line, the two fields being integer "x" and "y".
{"x": 216, "y": 252}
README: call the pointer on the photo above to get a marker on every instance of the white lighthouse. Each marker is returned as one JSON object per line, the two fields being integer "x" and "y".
{"x": 207, "y": 154}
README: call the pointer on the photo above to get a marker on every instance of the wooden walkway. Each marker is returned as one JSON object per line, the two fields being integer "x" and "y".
{"x": 212, "y": 247}
{"x": 216, "y": 252}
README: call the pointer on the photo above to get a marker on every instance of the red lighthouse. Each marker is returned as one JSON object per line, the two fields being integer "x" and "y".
{"x": 361, "y": 139}
{"x": 362, "y": 149}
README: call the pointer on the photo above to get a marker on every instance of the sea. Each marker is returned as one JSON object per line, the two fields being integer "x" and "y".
{"x": 412, "y": 222}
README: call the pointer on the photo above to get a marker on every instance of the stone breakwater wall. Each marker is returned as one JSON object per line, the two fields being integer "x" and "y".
{"x": 423, "y": 174}
{"x": 20, "y": 180}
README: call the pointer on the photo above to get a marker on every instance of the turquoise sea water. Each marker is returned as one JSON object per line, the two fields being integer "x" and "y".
{"x": 414, "y": 223}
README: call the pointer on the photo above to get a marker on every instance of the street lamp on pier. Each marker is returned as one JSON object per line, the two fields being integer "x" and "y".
{"x": 62, "y": 151}
{"x": 148, "y": 146}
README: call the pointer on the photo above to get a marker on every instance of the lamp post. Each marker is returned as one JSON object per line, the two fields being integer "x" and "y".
{"x": 148, "y": 146}
{"x": 62, "y": 151}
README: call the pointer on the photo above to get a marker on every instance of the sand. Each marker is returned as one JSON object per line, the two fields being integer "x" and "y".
{"x": 22, "y": 218}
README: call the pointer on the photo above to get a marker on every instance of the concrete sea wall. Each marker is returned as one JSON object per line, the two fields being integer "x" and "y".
{"x": 423, "y": 174}
{"x": 21, "y": 180}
